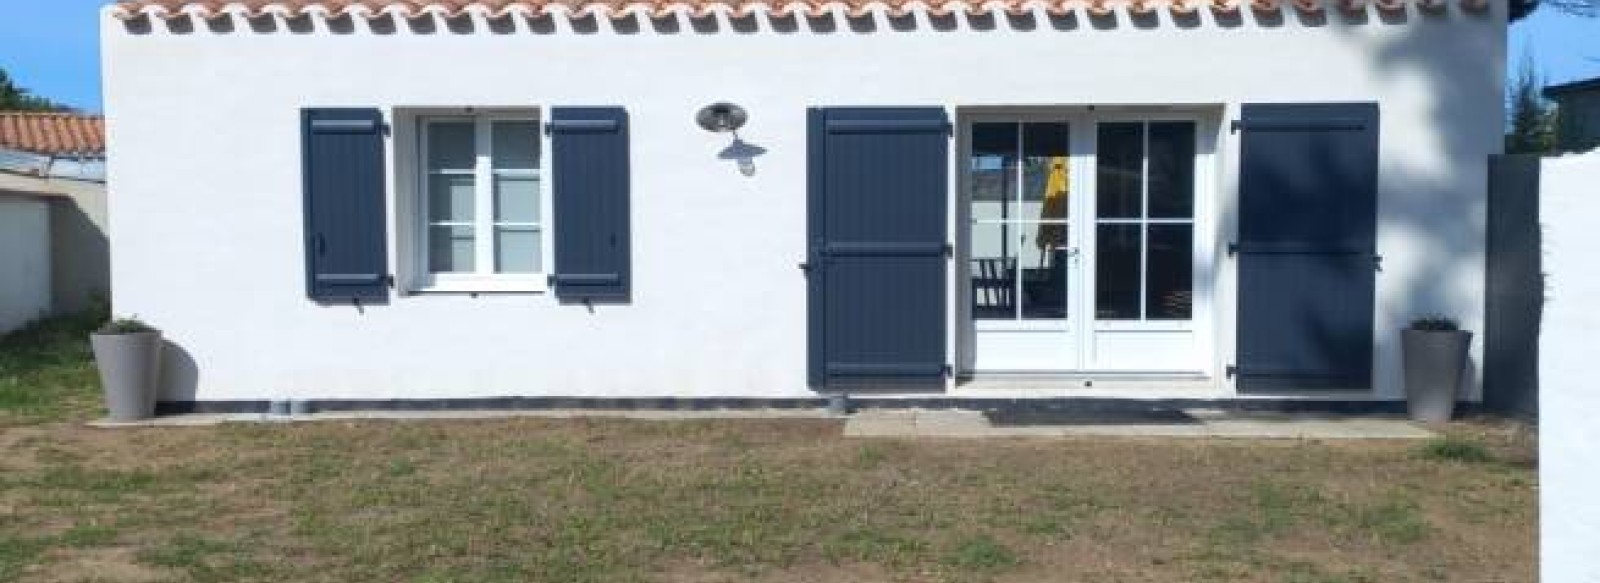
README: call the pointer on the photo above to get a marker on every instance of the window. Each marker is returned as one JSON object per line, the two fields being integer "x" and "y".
{"x": 482, "y": 225}
{"x": 1144, "y": 220}
{"x": 1019, "y": 181}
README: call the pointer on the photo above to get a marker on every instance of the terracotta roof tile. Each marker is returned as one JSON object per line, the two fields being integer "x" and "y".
{"x": 53, "y": 134}
{"x": 659, "y": 8}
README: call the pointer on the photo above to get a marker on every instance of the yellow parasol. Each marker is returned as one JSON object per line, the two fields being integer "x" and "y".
{"x": 1052, "y": 235}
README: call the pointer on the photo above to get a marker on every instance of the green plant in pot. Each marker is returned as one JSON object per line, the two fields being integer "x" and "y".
{"x": 1434, "y": 350}
{"x": 128, "y": 354}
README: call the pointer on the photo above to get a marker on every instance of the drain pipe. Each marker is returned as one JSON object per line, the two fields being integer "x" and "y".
{"x": 839, "y": 404}
{"x": 286, "y": 409}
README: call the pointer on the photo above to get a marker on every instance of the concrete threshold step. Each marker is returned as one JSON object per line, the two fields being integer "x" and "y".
{"x": 951, "y": 423}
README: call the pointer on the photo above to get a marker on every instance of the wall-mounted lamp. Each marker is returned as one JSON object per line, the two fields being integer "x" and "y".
{"x": 721, "y": 117}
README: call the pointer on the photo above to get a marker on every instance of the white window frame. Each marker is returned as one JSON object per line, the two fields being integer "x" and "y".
{"x": 483, "y": 278}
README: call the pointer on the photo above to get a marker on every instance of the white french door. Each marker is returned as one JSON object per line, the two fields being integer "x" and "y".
{"x": 1080, "y": 243}
{"x": 1023, "y": 253}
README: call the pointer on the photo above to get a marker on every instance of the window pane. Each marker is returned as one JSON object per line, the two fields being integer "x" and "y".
{"x": 1044, "y": 273}
{"x": 1171, "y": 269}
{"x": 1172, "y": 170}
{"x": 993, "y": 168}
{"x": 450, "y": 198}
{"x": 994, "y": 279}
{"x": 450, "y": 146}
{"x": 516, "y": 145}
{"x": 1044, "y": 172}
{"x": 450, "y": 249}
{"x": 516, "y": 250}
{"x": 516, "y": 199}
{"x": 1119, "y": 172}
{"x": 1116, "y": 295}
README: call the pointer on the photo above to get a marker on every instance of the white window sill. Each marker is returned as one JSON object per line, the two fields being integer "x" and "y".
{"x": 535, "y": 284}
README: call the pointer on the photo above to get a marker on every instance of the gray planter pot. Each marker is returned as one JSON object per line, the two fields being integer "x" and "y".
{"x": 1434, "y": 363}
{"x": 130, "y": 370}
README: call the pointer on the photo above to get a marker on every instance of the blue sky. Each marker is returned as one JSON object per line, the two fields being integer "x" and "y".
{"x": 52, "y": 47}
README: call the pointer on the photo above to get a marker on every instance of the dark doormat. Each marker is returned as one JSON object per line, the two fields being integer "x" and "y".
{"x": 1027, "y": 417}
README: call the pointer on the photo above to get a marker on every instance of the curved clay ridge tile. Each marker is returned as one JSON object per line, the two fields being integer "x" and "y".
{"x": 1475, "y": 6}
{"x": 657, "y": 9}
{"x": 1225, "y": 6}
{"x": 1017, "y": 8}
{"x": 1183, "y": 7}
{"x": 1353, "y": 6}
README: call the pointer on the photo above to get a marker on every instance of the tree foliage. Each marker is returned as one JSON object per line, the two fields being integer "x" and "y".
{"x": 1532, "y": 119}
{"x": 16, "y": 98}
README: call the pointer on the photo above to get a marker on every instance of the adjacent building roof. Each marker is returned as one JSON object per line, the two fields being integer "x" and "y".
{"x": 53, "y": 134}
{"x": 1573, "y": 87}
{"x": 659, "y": 8}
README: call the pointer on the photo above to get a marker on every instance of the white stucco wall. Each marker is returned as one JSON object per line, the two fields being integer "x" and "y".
{"x": 1569, "y": 461}
{"x": 211, "y": 251}
{"x": 24, "y": 260}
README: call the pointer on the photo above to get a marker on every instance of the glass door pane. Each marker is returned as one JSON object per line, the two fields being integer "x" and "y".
{"x": 1042, "y": 220}
{"x": 994, "y": 271}
{"x": 991, "y": 172}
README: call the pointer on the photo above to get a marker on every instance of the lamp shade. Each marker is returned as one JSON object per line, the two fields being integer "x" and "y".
{"x": 721, "y": 117}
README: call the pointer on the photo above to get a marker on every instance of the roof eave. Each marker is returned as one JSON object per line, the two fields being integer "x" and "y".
{"x": 1554, "y": 91}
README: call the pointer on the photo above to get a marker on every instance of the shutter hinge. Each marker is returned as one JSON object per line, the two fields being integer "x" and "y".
{"x": 947, "y": 371}
{"x": 949, "y": 250}
{"x": 1233, "y": 248}
{"x": 1231, "y": 371}
{"x": 1235, "y": 126}
{"x": 388, "y": 280}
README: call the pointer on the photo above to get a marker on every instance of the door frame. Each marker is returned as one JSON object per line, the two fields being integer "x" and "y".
{"x": 1081, "y": 326}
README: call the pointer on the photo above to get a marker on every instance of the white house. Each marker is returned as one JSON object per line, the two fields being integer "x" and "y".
{"x": 365, "y": 201}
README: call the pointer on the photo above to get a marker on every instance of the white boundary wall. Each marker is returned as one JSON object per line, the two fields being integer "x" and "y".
{"x": 1569, "y": 399}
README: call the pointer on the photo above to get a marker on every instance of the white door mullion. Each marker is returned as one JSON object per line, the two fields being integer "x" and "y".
{"x": 483, "y": 195}
{"x": 1144, "y": 218}
{"x": 1016, "y": 202}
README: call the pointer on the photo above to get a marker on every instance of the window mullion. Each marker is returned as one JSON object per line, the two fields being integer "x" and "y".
{"x": 1016, "y": 204}
{"x": 1144, "y": 221}
{"x": 483, "y": 195}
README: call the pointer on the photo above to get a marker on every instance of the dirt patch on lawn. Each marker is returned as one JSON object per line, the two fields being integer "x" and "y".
{"x": 109, "y": 564}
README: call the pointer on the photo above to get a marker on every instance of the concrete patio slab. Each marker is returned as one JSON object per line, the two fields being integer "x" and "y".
{"x": 930, "y": 423}
{"x": 1217, "y": 424}
{"x": 204, "y": 419}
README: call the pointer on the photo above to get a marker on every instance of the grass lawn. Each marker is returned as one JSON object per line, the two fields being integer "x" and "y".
{"x": 685, "y": 502}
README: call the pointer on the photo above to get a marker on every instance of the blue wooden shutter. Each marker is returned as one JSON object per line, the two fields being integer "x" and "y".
{"x": 1306, "y": 250}
{"x": 345, "y": 240}
{"x": 878, "y": 189}
{"x": 589, "y": 170}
